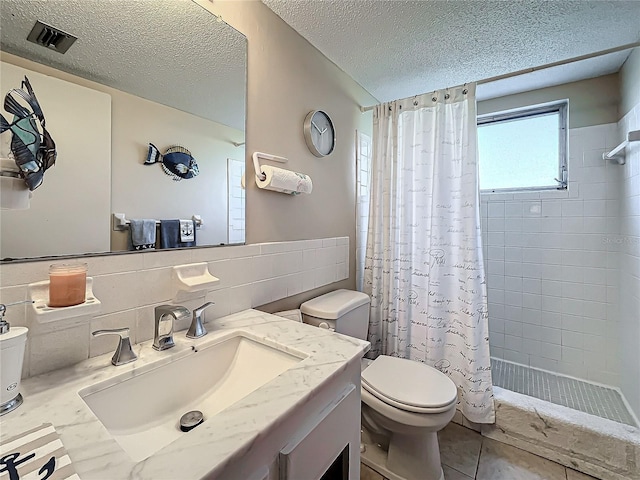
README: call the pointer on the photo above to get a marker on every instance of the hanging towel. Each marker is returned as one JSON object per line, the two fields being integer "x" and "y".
{"x": 143, "y": 234}
{"x": 187, "y": 231}
{"x": 170, "y": 234}
{"x": 37, "y": 453}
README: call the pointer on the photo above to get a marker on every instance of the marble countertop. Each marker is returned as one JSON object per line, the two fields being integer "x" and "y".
{"x": 223, "y": 438}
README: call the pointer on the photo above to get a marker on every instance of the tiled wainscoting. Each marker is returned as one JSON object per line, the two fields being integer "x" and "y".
{"x": 130, "y": 286}
{"x": 552, "y": 266}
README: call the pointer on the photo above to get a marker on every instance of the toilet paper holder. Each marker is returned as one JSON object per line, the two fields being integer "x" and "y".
{"x": 265, "y": 156}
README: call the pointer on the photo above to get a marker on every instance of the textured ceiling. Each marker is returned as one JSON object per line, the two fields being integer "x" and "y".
{"x": 571, "y": 72}
{"x": 396, "y": 49}
{"x": 171, "y": 51}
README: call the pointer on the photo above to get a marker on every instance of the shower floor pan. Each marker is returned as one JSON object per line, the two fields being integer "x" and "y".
{"x": 565, "y": 432}
{"x": 583, "y": 396}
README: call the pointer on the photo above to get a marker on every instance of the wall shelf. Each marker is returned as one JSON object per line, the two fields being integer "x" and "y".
{"x": 40, "y": 310}
{"x": 617, "y": 153}
{"x": 193, "y": 277}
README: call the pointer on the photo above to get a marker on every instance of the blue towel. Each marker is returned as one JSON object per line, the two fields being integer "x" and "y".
{"x": 143, "y": 234}
{"x": 170, "y": 235}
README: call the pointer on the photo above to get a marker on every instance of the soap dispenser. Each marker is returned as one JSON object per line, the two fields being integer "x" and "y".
{"x": 12, "y": 343}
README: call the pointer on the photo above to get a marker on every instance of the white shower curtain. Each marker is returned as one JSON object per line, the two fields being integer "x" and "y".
{"x": 423, "y": 267}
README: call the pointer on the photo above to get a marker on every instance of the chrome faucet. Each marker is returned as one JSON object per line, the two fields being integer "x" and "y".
{"x": 197, "y": 330}
{"x": 124, "y": 353}
{"x": 165, "y": 316}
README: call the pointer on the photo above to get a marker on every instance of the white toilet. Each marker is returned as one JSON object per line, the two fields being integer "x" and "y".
{"x": 404, "y": 403}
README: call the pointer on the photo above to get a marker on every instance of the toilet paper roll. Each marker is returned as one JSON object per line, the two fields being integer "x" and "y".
{"x": 284, "y": 181}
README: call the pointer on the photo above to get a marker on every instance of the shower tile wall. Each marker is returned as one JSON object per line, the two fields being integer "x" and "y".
{"x": 629, "y": 245}
{"x": 552, "y": 264}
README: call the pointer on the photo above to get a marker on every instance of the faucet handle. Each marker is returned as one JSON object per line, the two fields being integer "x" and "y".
{"x": 124, "y": 353}
{"x": 4, "y": 325}
{"x": 196, "y": 329}
{"x": 198, "y": 311}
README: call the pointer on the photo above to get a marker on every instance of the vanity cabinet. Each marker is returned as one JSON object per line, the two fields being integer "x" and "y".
{"x": 303, "y": 424}
{"x": 323, "y": 450}
{"x": 320, "y": 439}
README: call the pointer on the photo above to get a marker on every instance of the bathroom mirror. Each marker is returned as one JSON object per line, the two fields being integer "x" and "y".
{"x": 168, "y": 73}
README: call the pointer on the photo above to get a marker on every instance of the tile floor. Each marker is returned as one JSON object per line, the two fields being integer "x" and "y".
{"x": 467, "y": 455}
{"x": 584, "y": 396}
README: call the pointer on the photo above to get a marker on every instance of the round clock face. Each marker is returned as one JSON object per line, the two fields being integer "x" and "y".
{"x": 319, "y": 133}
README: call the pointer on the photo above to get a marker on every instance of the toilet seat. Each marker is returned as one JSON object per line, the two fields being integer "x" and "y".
{"x": 408, "y": 385}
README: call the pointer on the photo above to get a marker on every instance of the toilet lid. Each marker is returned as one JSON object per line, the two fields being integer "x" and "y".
{"x": 408, "y": 383}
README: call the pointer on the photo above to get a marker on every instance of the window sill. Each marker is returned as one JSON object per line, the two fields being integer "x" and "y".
{"x": 531, "y": 194}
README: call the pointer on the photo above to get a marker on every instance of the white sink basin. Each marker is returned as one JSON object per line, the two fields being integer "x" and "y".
{"x": 142, "y": 412}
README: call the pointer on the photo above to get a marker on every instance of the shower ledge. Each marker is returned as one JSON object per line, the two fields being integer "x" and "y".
{"x": 593, "y": 445}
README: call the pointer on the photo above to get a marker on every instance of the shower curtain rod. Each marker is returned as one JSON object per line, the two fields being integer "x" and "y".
{"x": 621, "y": 48}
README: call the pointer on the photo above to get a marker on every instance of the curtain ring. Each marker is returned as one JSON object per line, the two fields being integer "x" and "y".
{"x": 446, "y": 97}
{"x": 464, "y": 92}
{"x": 415, "y": 103}
{"x": 434, "y": 99}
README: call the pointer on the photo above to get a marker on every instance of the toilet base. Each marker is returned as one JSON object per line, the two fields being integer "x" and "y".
{"x": 410, "y": 440}
{"x": 415, "y": 457}
{"x": 375, "y": 458}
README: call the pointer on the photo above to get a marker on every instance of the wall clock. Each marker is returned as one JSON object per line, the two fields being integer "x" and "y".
{"x": 319, "y": 133}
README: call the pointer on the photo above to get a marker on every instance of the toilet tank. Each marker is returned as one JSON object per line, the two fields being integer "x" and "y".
{"x": 346, "y": 311}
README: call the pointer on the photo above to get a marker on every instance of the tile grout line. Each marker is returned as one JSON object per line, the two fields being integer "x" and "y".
{"x": 593, "y": 395}
{"x": 475, "y": 475}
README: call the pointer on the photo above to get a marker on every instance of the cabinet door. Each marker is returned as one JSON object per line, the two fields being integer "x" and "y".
{"x": 261, "y": 474}
{"x": 321, "y": 440}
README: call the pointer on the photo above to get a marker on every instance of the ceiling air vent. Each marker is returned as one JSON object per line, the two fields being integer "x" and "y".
{"x": 51, "y": 37}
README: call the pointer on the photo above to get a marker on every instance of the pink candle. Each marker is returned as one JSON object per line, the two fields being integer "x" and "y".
{"x": 67, "y": 284}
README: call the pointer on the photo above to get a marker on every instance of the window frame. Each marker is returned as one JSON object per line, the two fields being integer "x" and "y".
{"x": 561, "y": 107}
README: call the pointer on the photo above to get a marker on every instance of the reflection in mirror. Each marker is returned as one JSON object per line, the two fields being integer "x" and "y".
{"x": 167, "y": 73}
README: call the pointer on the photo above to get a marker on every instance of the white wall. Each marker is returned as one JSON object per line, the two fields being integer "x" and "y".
{"x": 287, "y": 78}
{"x": 564, "y": 283}
{"x": 629, "y": 240}
{"x": 552, "y": 256}
{"x": 76, "y": 190}
{"x": 137, "y": 190}
{"x": 145, "y": 191}
{"x": 552, "y": 267}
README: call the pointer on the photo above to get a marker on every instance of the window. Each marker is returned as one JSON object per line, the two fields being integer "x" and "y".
{"x": 363, "y": 184}
{"x": 524, "y": 149}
